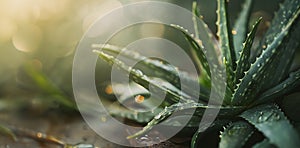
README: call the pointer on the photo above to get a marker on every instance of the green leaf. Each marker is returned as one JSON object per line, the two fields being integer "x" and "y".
{"x": 286, "y": 15}
{"x": 261, "y": 71}
{"x": 196, "y": 15}
{"x": 240, "y": 27}
{"x": 210, "y": 47}
{"x": 225, "y": 40}
{"x": 127, "y": 97}
{"x": 185, "y": 108}
{"x": 281, "y": 89}
{"x": 217, "y": 124}
{"x": 289, "y": 45}
{"x": 156, "y": 68}
{"x": 235, "y": 135}
{"x": 180, "y": 120}
{"x": 197, "y": 48}
{"x": 205, "y": 77}
{"x": 140, "y": 78}
{"x": 243, "y": 64}
{"x": 8, "y": 132}
{"x": 269, "y": 120}
{"x": 48, "y": 87}
{"x": 116, "y": 109}
{"x": 264, "y": 144}
{"x": 211, "y": 50}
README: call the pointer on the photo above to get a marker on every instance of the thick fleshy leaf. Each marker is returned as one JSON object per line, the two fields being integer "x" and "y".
{"x": 235, "y": 135}
{"x": 225, "y": 40}
{"x": 241, "y": 26}
{"x": 243, "y": 64}
{"x": 205, "y": 77}
{"x": 286, "y": 14}
{"x": 288, "y": 9}
{"x": 212, "y": 52}
{"x": 261, "y": 71}
{"x": 197, "y": 48}
{"x": 187, "y": 109}
{"x": 116, "y": 109}
{"x": 289, "y": 45}
{"x": 284, "y": 87}
{"x": 211, "y": 49}
{"x": 269, "y": 120}
{"x": 264, "y": 144}
{"x": 156, "y": 68}
{"x": 140, "y": 78}
{"x": 135, "y": 96}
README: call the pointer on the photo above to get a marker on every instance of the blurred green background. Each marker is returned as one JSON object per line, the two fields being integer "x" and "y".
{"x": 47, "y": 31}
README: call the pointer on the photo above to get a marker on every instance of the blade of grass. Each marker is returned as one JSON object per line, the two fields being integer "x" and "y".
{"x": 46, "y": 86}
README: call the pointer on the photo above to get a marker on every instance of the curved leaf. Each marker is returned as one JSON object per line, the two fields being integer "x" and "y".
{"x": 269, "y": 120}
{"x": 116, "y": 109}
{"x": 48, "y": 87}
{"x": 289, "y": 10}
{"x": 156, "y": 68}
{"x": 138, "y": 76}
{"x": 8, "y": 132}
{"x": 260, "y": 73}
{"x": 290, "y": 45}
{"x": 235, "y": 135}
{"x": 197, "y": 48}
{"x": 284, "y": 87}
{"x": 184, "y": 108}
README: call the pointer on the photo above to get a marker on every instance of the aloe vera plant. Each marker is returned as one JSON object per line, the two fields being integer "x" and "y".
{"x": 253, "y": 84}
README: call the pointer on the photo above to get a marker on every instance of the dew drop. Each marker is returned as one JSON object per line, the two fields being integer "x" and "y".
{"x": 284, "y": 85}
{"x": 234, "y": 32}
{"x": 138, "y": 73}
{"x": 157, "y": 117}
{"x": 109, "y": 90}
{"x": 152, "y": 111}
{"x": 260, "y": 119}
{"x": 258, "y": 65}
{"x": 139, "y": 99}
{"x": 143, "y": 140}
